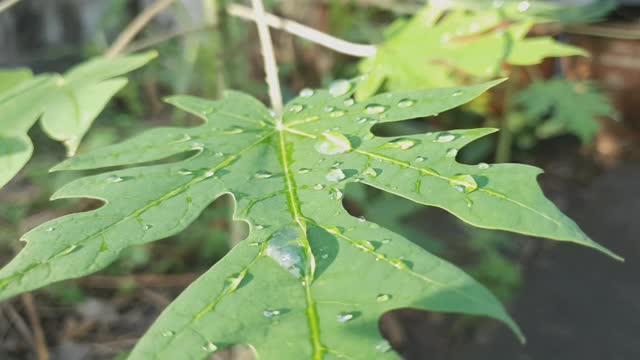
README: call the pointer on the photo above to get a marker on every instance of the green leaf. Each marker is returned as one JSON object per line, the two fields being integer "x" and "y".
{"x": 67, "y": 103}
{"x": 310, "y": 281}
{"x": 461, "y": 46}
{"x": 564, "y": 107}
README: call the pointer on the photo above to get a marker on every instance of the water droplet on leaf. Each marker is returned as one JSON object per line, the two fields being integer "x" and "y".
{"x": 271, "y": 313}
{"x": 483, "y": 166}
{"x": 349, "y": 102}
{"x": 263, "y": 174}
{"x": 185, "y": 172}
{"x": 168, "y": 333}
{"x": 114, "y": 179}
{"x": 400, "y": 143}
{"x": 383, "y": 298}
{"x": 234, "y": 130}
{"x": 405, "y": 103}
{"x": 445, "y": 138}
{"x": 306, "y": 92}
{"x": 336, "y": 114}
{"x": 375, "y": 109}
{"x": 210, "y": 347}
{"x": 383, "y": 346}
{"x": 451, "y": 153}
{"x": 333, "y": 143}
{"x": 464, "y": 183}
{"x": 344, "y": 317}
{"x": 296, "y": 108}
{"x": 339, "y": 87}
{"x": 335, "y": 175}
{"x": 304, "y": 170}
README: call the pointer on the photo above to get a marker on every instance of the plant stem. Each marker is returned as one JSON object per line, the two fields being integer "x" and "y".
{"x": 270, "y": 66}
{"x": 4, "y": 5}
{"x": 136, "y": 26}
{"x": 505, "y": 137}
{"x": 305, "y": 32}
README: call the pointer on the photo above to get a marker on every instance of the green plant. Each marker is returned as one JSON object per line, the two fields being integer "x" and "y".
{"x": 67, "y": 103}
{"x": 310, "y": 281}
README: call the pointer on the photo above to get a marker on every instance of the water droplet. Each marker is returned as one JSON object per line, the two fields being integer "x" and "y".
{"x": 329, "y": 108}
{"x": 383, "y": 298}
{"x": 219, "y": 154}
{"x": 335, "y": 175}
{"x": 361, "y": 219}
{"x": 451, "y": 153}
{"x": 210, "y": 347}
{"x": 370, "y": 172}
{"x": 399, "y": 264}
{"x": 383, "y": 346}
{"x": 464, "y": 183}
{"x": 333, "y": 143}
{"x": 365, "y": 245}
{"x": 296, "y": 108}
{"x": 445, "y": 138}
{"x": 114, "y": 179}
{"x": 197, "y": 146}
{"x": 168, "y": 333}
{"x": 349, "y": 102}
{"x": 375, "y": 109}
{"x": 420, "y": 159}
{"x": 233, "y": 281}
{"x": 271, "y": 313}
{"x": 318, "y": 187}
{"x": 259, "y": 227}
{"x": 146, "y": 227}
{"x": 234, "y": 130}
{"x": 285, "y": 249}
{"x": 304, "y": 170}
{"x": 306, "y": 92}
{"x": 333, "y": 230}
{"x": 336, "y": 114}
{"x": 399, "y": 143}
{"x": 209, "y": 173}
{"x": 524, "y": 6}
{"x": 336, "y": 194}
{"x": 263, "y": 174}
{"x": 344, "y": 317}
{"x": 457, "y": 93}
{"x": 405, "y": 103}
{"x": 50, "y": 229}
{"x": 339, "y": 87}
{"x": 185, "y": 172}
{"x": 483, "y": 166}
{"x": 386, "y": 241}
{"x": 362, "y": 120}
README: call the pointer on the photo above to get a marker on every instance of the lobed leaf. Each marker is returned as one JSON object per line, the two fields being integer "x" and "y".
{"x": 310, "y": 281}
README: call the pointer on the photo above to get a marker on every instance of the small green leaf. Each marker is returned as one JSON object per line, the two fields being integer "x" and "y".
{"x": 310, "y": 281}
{"x": 460, "y": 46}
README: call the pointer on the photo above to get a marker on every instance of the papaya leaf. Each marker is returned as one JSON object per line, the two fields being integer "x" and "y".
{"x": 310, "y": 281}
{"x": 68, "y": 105}
{"x": 564, "y": 107}
{"x": 462, "y": 46}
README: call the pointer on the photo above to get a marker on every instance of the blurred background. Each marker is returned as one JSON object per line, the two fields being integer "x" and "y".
{"x": 575, "y": 117}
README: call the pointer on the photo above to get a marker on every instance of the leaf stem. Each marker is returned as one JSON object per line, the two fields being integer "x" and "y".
{"x": 305, "y": 32}
{"x": 6, "y": 4}
{"x": 127, "y": 35}
{"x": 270, "y": 65}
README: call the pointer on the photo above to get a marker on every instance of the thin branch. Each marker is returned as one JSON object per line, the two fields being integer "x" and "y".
{"x": 19, "y": 323}
{"x": 136, "y": 26}
{"x": 5, "y": 4}
{"x": 270, "y": 66}
{"x": 305, "y": 32}
{"x": 38, "y": 334}
{"x": 151, "y": 41}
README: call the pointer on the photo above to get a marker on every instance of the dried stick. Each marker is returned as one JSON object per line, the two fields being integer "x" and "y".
{"x": 42, "y": 351}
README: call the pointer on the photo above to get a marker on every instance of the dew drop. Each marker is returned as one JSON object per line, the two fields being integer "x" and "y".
{"x": 336, "y": 194}
{"x": 318, "y": 187}
{"x": 114, "y": 179}
{"x": 339, "y": 87}
{"x": 344, "y": 317}
{"x": 420, "y": 159}
{"x": 219, "y": 154}
{"x": 51, "y": 229}
{"x": 381, "y": 298}
{"x": 185, "y": 172}
{"x": 233, "y": 281}
{"x": 168, "y": 333}
{"x": 457, "y": 93}
{"x": 306, "y": 92}
{"x": 337, "y": 114}
{"x": 271, "y": 313}
{"x": 234, "y": 130}
{"x": 197, "y": 146}
{"x": 375, "y": 109}
{"x": 209, "y": 173}
{"x": 361, "y": 219}
{"x": 399, "y": 143}
{"x": 483, "y": 166}
{"x": 210, "y": 347}
{"x": 284, "y": 249}
{"x": 304, "y": 170}
{"x": 362, "y": 120}
{"x": 146, "y": 227}
{"x": 263, "y": 174}
{"x": 370, "y": 172}
{"x": 399, "y": 264}
{"x": 296, "y": 108}
{"x": 405, "y": 103}
{"x": 383, "y": 346}
{"x": 333, "y": 143}
{"x": 464, "y": 183}
{"x": 451, "y": 153}
{"x": 329, "y": 108}
{"x": 349, "y": 102}
{"x": 364, "y": 245}
{"x": 445, "y": 138}
{"x": 335, "y": 175}
{"x": 259, "y": 227}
